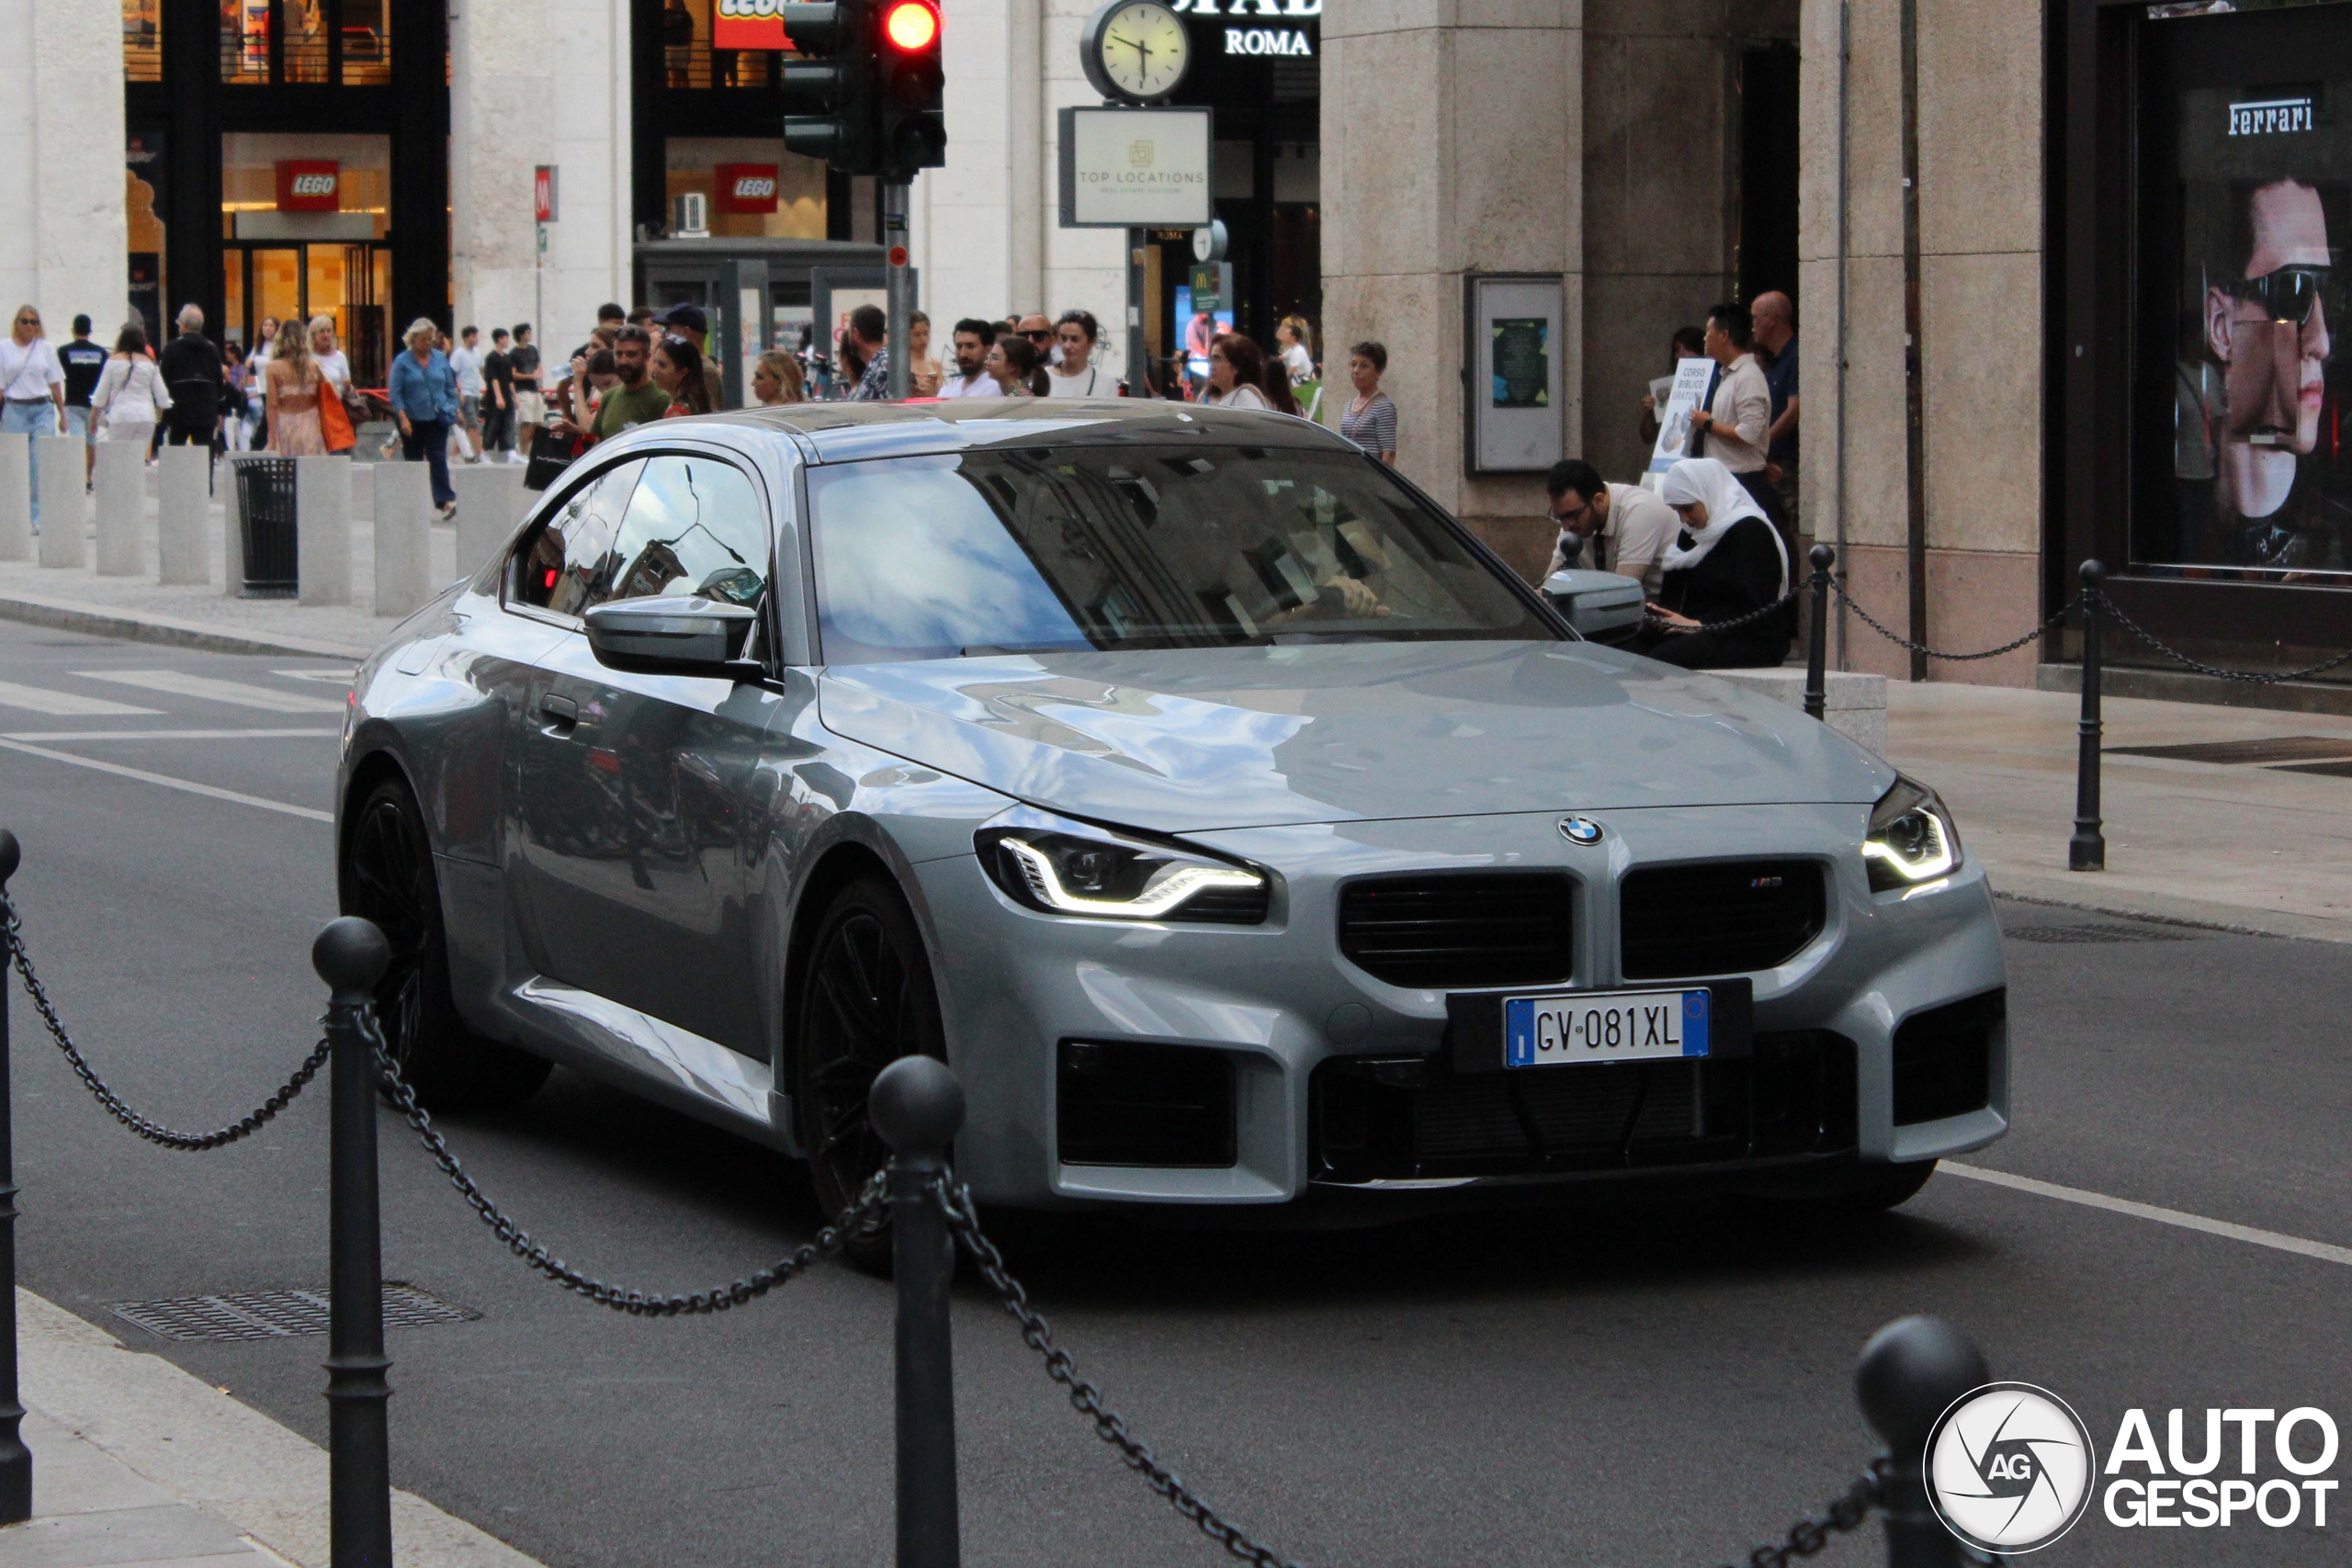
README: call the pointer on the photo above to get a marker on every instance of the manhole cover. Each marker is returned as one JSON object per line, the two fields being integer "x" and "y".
{"x": 278, "y": 1315}
{"x": 2274, "y": 749}
{"x": 2094, "y": 933}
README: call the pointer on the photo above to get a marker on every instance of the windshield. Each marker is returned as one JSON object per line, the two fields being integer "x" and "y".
{"x": 1137, "y": 547}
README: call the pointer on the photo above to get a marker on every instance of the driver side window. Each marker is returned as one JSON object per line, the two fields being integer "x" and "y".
{"x": 563, "y": 559}
{"x": 695, "y": 526}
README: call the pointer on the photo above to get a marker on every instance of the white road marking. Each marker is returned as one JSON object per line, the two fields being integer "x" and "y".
{"x": 236, "y": 692}
{"x": 2324, "y": 1251}
{"x": 144, "y": 776}
{"x": 334, "y": 677}
{"x": 41, "y": 700}
{"x": 57, "y": 734}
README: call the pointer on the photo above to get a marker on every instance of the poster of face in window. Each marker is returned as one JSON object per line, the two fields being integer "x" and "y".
{"x": 2261, "y": 475}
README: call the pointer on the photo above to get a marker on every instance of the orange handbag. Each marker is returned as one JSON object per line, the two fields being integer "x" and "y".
{"x": 335, "y": 421}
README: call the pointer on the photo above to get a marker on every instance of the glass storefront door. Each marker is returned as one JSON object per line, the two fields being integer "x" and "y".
{"x": 347, "y": 283}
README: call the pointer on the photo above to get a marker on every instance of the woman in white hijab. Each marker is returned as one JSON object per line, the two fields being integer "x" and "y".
{"x": 1728, "y": 563}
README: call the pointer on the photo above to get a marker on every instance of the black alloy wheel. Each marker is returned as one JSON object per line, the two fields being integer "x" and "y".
{"x": 387, "y": 876}
{"x": 868, "y": 998}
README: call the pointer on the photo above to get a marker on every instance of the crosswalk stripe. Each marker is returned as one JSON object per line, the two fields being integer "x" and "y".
{"x": 58, "y": 737}
{"x": 340, "y": 677}
{"x": 144, "y": 776}
{"x": 236, "y": 692}
{"x": 65, "y": 703}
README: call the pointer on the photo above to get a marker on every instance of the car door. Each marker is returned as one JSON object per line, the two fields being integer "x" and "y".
{"x": 642, "y": 800}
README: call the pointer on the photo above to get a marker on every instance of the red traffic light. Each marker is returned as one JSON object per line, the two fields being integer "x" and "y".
{"x": 911, "y": 25}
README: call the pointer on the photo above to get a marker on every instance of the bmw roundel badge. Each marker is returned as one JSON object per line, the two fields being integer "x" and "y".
{"x": 1580, "y": 829}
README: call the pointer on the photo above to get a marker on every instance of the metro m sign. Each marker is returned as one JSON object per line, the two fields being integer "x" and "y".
{"x": 748, "y": 23}
{"x": 308, "y": 185}
{"x": 746, "y": 188}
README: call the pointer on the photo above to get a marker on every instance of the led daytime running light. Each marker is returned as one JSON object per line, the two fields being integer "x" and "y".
{"x": 1168, "y": 888}
{"x": 1938, "y": 860}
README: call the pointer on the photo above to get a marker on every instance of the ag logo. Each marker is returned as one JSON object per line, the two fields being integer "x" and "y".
{"x": 2010, "y": 1468}
{"x": 1143, "y": 153}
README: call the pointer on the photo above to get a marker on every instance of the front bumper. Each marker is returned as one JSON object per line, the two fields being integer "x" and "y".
{"x": 1288, "y": 1018}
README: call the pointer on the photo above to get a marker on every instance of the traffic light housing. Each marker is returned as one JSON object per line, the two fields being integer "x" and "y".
{"x": 866, "y": 94}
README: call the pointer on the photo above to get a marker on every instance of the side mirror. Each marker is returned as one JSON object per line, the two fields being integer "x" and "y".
{"x": 1601, "y": 605}
{"x": 675, "y": 637}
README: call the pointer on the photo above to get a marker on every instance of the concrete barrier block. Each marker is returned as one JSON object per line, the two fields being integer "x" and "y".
{"x": 1854, "y": 704}
{"x": 118, "y": 493}
{"x": 59, "y": 467}
{"x": 403, "y": 495}
{"x": 489, "y": 502}
{"x": 16, "y": 498}
{"x": 183, "y": 508}
{"x": 322, "y": 530}
{"x": 363, "y": 490}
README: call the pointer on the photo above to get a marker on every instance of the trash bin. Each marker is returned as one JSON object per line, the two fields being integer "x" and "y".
{"x": 266, "y": 516}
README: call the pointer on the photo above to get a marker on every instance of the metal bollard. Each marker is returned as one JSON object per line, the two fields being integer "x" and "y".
{"x": 350, "y": 955}
{"x": 2086, "y": 850}
{"x": 1816, "y": 650}
{"x": 917, "y": 1106}
{"x": 1910, "y": 1372}
{"x": 16, "y": 1460}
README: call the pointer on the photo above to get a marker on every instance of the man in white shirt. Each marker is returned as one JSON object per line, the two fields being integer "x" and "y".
{"x": 974, "y": 338}
{"x": 1630, "y": 528}
{"x": 1736, "y": 420}
{"x": 34, "y": 383}
{"x": 465, "y": 361}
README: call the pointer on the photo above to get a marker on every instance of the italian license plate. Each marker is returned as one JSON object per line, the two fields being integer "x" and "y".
{"x": 1570, "y": 1028}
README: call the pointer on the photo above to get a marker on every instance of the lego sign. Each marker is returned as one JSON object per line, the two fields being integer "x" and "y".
{"x": 748, "y": 24}
{"x": 308, "y": 185}
{"x": 746, "y": 188}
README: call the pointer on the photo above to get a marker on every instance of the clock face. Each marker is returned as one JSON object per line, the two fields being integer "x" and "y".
{"x": 1143, "y": 49}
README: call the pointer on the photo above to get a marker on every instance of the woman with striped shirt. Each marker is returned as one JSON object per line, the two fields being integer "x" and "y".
{"x": 1369, "y": 419}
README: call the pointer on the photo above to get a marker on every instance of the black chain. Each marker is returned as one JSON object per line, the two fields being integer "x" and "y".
{"x": 155, "y": 1132}
{"x": 1774, "y": 608}
{"x": 869, "y": 1207}
{"x": 955, "y": 1202}
{"x": 1809, "y": 1535}
{"x": 2250, "y": 677}
{"x": 1891, "y": 636}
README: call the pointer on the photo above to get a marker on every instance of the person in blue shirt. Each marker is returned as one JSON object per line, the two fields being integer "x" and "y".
{"x": 425, "y": 400}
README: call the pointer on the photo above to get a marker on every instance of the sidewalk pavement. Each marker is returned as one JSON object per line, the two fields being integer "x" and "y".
{"x": 137, "y": 1464}
{"x": 2249, "y": 847}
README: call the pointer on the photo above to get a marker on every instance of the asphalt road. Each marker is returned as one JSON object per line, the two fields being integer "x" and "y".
{"x": 1655, "y": 1384}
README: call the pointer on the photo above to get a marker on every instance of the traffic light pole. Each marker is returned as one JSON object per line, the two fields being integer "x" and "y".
{"x": 900, "y": 277}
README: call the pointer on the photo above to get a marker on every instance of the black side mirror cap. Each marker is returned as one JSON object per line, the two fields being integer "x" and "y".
{"x": 675, "y": 637}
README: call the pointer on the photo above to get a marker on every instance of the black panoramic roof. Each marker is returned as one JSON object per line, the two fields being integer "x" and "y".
{"x": 841, "y": 433}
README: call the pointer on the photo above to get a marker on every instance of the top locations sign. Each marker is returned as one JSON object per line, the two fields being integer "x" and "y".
{"x": 1135, "y": 168}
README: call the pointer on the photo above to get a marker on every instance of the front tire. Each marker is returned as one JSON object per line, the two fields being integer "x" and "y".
{"x": 867, "y": 997}
{"x": 387, "y": 876}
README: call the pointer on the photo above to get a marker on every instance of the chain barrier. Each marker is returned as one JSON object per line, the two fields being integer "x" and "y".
{"x": 245, "y": 1126}
{"x": 954, "y": 1201}
{"x": 2250, "y": 677}
{"x": 1891, "y": 636}
{"x": 1810, "y": 1534}
{"x": 868, "y": 1208}
{"x": 1749, "y": 619}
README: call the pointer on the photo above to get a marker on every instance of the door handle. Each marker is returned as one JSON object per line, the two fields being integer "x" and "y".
{"x": 561, "y": 713}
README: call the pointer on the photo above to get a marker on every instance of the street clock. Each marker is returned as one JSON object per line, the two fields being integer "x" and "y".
{"x": 1136, "y": 51}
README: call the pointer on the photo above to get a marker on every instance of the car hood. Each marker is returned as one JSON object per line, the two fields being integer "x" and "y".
{"x": 1191, "y": 740}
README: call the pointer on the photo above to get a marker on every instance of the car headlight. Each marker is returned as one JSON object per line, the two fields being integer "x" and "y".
{"x": 1119, "y": 879}
{"x": 1912, "y": 839}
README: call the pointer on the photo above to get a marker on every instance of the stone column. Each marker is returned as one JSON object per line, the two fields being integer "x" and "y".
{"x": 65, "y": 503}
{"x": 1453, "y": 142}
{"x": 118, "y": 488}
{"x": 16, "y": 498}
{"x": 183, "y": 508}
{"x": 490, "y": 501}
{"x": 405, "y": 515}
{"x": 65, "y": 246}
{"x": 322, "y": 530}
{"x": 502, "y": 93}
